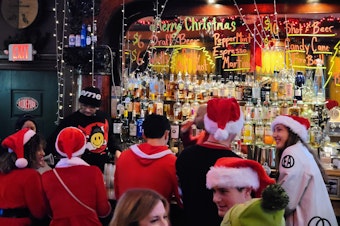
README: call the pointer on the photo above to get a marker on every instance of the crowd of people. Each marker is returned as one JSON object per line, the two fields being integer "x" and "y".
{"x": 207, "y": 184}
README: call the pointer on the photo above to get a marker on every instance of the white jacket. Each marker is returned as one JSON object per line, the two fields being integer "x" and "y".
{"x": 309, "y": 202}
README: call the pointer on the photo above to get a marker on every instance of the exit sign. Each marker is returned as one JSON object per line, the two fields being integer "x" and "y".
{"x": 20, "y": 52}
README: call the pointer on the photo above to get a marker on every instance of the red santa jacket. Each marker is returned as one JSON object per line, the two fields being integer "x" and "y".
{"x": 147, "y": 166}
{"x": 22, "y": 188}
{"x": 86, "y": 183}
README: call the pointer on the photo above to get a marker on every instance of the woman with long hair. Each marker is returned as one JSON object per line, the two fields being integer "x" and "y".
{"x": 301, "y": 174}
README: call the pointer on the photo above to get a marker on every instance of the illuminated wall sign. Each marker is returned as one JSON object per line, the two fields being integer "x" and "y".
{"x": 20, "y": 52}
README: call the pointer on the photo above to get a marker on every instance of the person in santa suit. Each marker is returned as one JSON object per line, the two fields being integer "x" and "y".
{"x": 150, "y": 164}
{"x": 101, "y": 145}
{"x": 22, "y": 199}
{"x": 223, "y": 121}
{"x": 75, "y": 190}
{"x": 301, "y": 174}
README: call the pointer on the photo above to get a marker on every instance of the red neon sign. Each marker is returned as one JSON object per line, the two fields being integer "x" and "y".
{"x": 20, "y": 52}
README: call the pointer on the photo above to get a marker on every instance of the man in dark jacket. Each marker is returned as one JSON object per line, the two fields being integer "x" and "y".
{"x": 95, "y": 124}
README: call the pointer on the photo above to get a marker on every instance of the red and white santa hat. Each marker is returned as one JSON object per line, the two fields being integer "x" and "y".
{"x": 70, "y": 142}
{"x": 15, "y": 143}
{"x": 223, "y": 117}
{"x": 298, "y": 125}
{"x": 232, "y": 172}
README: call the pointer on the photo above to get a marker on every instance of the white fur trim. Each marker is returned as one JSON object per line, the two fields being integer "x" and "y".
{"x": 21, "y": 163}
{"x": 232, "y": 177}
{"x": 135, "y": 149}
{"x": 74, "y": 161}
{"x": 28, "y": 135}
{"x": 294, "y": 125}
{"x": 232, "y": 127}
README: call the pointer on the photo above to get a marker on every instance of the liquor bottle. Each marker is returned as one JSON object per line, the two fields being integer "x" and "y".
{"x": 315, "y": 135}
{"x": 187, "y": 86}
{"x": 284, "y": 107}
{"x": 274, "y": 87}
{"x": 265, "y": 89}
{"x": 256, "y": 92}
{"x": 204, "y": 88}
{"x": 231, "y": 87}
{"x": 180, "y": 85}
{"x": 169, "y": 88}
{"x": 295, "y": 109}
{"x": 159, "y": 105}
{"x": 275, "y": 108}
{"x": 88, "y": 35}
{"x": 299, "y": 82}
{"x": 117, "y": 127}
{"x": 308, "y": 89}
{"x": 216, "y": 86}
{"x": 139, "y": 132}
{"x": 125, "y": 128}
{"x": 194, "y": 106}
{"x": 196, "y": 89}
{"x": 249, "y": 108}
{"x": 258, "y": 111}
{"x": 83, "y": 36}
{"x": 247, "y": 88}
{"x": 319, "y": 82}
{"x": 259, "y": 132}
{"x": 133, "y": 128}
{"x": 266, "y": 107}
{"x": 174, "y": 136}
{"x": 177, "y": 109}
{"x": 289, "y": 85}
{"x": 248, "y": 132}
{"x": 186, "y": 108}
{"x": 281, "y": 88}
{"x": 151, "y": 105}
{"x": 268, "y": 134}
{"x": 161, "y": 85}
{"x": 239, "y": 88}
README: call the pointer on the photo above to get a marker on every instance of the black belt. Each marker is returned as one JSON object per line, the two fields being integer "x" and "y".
{"x": 15, "y": 213}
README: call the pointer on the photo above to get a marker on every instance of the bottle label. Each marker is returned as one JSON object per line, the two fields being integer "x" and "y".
{"x": 117, "y": 128}
{"x": 174, "y": 132}
{"x": 133, "y": 129}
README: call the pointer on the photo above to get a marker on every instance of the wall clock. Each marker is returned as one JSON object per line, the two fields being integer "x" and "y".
{"x": 19, "y": 13}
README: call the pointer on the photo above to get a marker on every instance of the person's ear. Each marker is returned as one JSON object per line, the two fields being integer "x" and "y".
{"x": 247, "y": 191}
{"x": 166, "y": 134}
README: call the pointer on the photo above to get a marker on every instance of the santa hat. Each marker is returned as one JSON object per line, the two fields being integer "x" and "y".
{"x": 238, "y": 172}
{"x": 223, "y": 117}
{"x": 70, "y": 142}
{"x": 298, "y": 125}
{"x": 15, "y": 143}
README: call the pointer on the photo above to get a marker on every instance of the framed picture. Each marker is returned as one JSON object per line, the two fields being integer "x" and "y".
{"x": 333, "y": 187}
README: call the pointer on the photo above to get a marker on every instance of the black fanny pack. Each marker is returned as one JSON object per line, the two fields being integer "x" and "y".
{"x": 15, "y": 213}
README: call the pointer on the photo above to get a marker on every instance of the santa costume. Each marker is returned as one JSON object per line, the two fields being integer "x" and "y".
{"x": 21, "y": 193}
{"x": 147, "y": 166}
{"x": 223, "y": 117}
{"x": 75, "y": 190}
{"x": 300, "y": 176}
